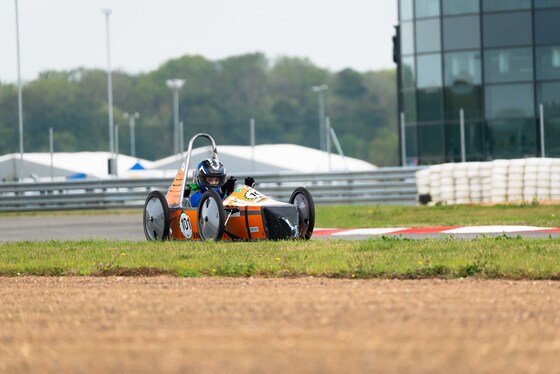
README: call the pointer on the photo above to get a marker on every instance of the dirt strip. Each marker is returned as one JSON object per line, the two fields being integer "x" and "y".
{"x": 254, "y": 325}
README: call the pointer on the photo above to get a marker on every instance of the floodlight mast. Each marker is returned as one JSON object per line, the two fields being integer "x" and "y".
{"x": 320, "y": 90}
{"x": 112, "y": 169}
{"x": 132, "y": 118}
{"x": 175, "y": 85}
{"x": 19, "y": 173}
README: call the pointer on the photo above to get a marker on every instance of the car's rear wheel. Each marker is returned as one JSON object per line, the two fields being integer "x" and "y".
{"x": 303, "y": 200}
{"x": 156, "y": 217}
{"x": 211, "y": 216}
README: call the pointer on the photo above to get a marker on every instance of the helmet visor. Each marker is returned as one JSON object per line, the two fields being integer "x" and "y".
{"x": 213, "y": 181}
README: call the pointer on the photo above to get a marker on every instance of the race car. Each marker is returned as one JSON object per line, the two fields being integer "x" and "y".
{"x": 245, "y": 214}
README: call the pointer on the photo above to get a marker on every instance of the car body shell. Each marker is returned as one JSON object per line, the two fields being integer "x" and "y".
{"x": 245, "y": 219}
{"x": 245, "y": 214}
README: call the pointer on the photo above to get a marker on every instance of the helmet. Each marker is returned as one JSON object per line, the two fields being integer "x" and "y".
{"x": 209, "y": 173}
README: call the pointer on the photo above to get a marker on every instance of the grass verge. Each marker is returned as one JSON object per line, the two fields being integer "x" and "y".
{"x": 384, "y": 257}
{"x": 445, "y": 215}
{"x": 358, "y": 216}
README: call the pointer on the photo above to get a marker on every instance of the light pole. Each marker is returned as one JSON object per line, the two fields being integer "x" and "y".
{"x": 20, "y": 104}
{"x": 320, "y": 90}
{"x": 112, "y": 166}
{"x": 131, "y": 118}
{"x": 175, "y": 85}
{"x": 181, "y": 137}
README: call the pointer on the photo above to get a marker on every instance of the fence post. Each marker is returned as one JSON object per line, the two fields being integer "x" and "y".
{"x": 462, "y": 128}
{"x": 51, "y": 148}
{"x": 403, "y": 141}
{"x": 541, "y": 119}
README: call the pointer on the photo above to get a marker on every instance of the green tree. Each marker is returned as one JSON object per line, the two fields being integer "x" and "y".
{"x": 219, "y": 97}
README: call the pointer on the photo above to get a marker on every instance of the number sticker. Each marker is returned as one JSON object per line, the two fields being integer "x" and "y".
{"x": 252, "y": 194}
{"x": 185, "y": 224}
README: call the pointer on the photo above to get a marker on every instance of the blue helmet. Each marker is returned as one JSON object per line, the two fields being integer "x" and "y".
{"x": 209, "y": 173}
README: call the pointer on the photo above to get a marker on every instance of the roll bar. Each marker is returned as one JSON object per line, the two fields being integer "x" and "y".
{"x": 187, "y": 160}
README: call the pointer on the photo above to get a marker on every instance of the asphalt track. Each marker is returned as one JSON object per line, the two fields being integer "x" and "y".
{"x": 129, "y": 227}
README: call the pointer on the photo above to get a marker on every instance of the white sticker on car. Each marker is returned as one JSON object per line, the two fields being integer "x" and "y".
{"x": 252, "y": 194}
{"x": 185, "y": 225}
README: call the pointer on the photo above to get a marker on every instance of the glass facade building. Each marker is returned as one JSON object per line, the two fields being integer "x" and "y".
{"x": 495, "y": 61}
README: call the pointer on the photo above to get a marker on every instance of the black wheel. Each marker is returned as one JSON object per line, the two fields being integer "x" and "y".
{"x": 156, "y": 217}
{"x": 306, "y": 207}
{"x": 211, "y": 216}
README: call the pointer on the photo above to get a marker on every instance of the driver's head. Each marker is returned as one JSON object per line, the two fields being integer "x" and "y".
{"x": 210, "y": 173}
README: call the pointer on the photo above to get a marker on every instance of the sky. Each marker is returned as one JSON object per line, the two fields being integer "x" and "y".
{"x": 144, "y": 34}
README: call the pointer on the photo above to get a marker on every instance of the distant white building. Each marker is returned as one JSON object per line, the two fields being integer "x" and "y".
{"x": 270, "y": 158}
{"x": 68, "y": 165}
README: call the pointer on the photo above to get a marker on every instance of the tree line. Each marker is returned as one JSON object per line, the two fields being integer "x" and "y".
{"x": 219, "y": 97}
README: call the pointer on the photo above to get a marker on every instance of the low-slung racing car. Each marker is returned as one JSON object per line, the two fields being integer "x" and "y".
{"x": 245, "y": 214}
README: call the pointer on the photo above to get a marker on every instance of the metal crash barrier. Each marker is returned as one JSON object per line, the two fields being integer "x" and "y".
{"x": 382, "y": 186}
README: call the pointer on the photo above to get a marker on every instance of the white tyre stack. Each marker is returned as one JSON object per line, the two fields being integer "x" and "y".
{"x": 530, "y": 181}
{"x": 423, "y": 181}
{"x": 555, "y": 179}
{"x": 543, "y": 179}
{"x": 447, "y": 183}
{"x": 475, "y": 185}
{"x": 462, "y": 185}
{"x": 435, "y": 184}
{"x": 515, "y": 178}
{"x": 499, "y": 181}
{"x": 485, "y": 172}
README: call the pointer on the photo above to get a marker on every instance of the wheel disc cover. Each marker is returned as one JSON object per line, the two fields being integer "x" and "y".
{"x": 301, "y": 202}
{"x": 209, "y": 220}
{"x": 154, "y": 219}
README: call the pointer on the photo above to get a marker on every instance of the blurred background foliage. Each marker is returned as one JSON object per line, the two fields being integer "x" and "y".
{"x": 219, "y": 97}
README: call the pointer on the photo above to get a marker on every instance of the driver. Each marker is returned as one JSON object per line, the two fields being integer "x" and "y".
{"x": 211, "y": 173}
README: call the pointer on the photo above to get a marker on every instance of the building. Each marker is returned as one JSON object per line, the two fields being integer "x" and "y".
{"x": 495, "y": 61}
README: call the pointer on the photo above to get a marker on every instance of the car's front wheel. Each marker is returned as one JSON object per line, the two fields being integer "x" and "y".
{"x": 303, "y": 200}
{"x": 211, "y": 216}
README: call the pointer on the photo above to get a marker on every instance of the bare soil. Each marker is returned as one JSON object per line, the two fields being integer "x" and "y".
{"x": 255, "y": 325}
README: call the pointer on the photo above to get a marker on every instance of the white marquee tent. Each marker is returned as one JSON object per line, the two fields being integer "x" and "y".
{"x": 270, "y": 158}
{"x": 241, "y": 160}
{"x": 67, "y": 165}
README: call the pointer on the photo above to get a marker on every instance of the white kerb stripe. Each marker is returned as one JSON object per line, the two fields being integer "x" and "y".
{"x": 492, "y": 229}
{"x": 379, "y": 231}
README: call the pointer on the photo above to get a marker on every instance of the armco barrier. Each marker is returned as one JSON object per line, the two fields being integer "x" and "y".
{"x": 381, "y": 186}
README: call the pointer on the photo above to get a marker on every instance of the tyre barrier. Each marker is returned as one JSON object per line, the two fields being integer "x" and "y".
{"x": 492, "y": 182}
